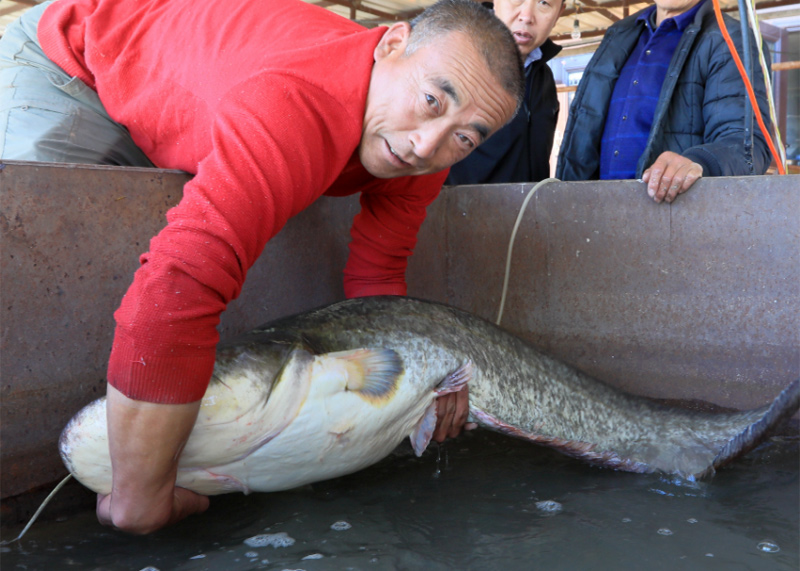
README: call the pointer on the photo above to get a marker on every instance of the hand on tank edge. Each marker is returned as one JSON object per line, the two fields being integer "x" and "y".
{"x": 670, "y": 175}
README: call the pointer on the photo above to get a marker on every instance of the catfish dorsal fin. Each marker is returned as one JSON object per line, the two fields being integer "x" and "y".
{"x": 372, "y": 373}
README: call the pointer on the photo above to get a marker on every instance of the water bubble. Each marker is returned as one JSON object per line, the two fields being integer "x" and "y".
{"x": 768, "y": 546}
{"x": 664, "y": 531}
{"x": 340, "y": 526}
{"x": 274, "y": 539}
{"x": 626, "y": 520}
{"x": 548, "y": 506}
{"x": 251, "y": 554}
{"x": 149, "y": 568}
{"x": 691, "y": 520}
{"x": 201, "y": 556}
{"x": 313, "y": 556}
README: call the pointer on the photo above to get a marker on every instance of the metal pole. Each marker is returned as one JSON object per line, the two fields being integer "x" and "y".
{"x": 748, "y": 66}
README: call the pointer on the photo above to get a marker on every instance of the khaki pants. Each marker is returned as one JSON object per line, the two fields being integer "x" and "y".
{"x": 48, "y": 116}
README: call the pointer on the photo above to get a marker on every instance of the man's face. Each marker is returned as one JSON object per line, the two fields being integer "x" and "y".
{"x": 531, "y": 21}
{"x": 428, "y": 110}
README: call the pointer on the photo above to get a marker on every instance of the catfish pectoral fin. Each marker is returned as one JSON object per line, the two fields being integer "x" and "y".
{"x": 456, "y": 380}
{"x": 373, "y": 373}
{"x": 423, "y": 432}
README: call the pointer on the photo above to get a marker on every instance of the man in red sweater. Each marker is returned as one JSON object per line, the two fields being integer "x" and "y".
{"x": 271, "y": 104}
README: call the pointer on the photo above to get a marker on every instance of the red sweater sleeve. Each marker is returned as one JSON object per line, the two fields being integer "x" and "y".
{"x": 384, "y": 234}
{"x": 276, "y": 147}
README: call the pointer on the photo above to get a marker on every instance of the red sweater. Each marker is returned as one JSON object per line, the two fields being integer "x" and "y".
{"x": 263, "y": 101}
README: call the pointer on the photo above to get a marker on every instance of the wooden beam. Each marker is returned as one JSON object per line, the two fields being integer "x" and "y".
{"x": 590, "y": 34}
{"x": 371, "y": 11}
{"x": 601, "y": 10}
{"x": 785, "y": 65}
{"x": 10, "y": 10}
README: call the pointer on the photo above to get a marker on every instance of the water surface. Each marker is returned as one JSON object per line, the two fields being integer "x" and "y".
{"x": 482, "y": 502}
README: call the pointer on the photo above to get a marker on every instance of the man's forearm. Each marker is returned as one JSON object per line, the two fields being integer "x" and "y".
{"x": 145, "y": 441}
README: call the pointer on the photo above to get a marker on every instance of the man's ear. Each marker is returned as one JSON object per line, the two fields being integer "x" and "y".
{"x": 394, "y": 41}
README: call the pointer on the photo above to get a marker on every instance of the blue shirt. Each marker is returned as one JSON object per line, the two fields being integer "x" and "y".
{"x": 635, "y": 97}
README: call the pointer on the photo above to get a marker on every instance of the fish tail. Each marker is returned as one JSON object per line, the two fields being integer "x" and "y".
{"x": 782, "y": 408}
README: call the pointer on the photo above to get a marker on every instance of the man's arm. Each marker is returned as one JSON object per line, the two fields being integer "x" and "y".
{"x": 146, "y": 440}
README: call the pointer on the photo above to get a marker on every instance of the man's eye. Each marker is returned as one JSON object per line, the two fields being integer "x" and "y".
{"x": 431, "y": 101}
{"x": 466, "y": 141}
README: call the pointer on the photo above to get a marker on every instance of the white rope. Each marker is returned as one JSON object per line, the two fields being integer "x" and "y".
{"x": 751, "y": 16}
{"x": 39, "y": 511}
{"x": 511, "y": 243}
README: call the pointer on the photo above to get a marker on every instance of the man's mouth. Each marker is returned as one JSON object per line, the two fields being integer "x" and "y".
{"x": 522, "y": 37}
{"x": 397, "y": 156}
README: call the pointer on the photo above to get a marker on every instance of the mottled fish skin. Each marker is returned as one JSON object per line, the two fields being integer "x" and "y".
{"x": 292, "y": 367}
{"x": 518, "y": 390}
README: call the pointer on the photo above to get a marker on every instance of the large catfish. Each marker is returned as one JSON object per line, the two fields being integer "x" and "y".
{"x": 333, "y": 390}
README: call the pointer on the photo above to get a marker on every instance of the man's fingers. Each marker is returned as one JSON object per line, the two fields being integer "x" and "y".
{"x": 666, "y": 173}
{"x": 445, "y": 412}
{"x": 461, "y": 412}
{"x": 186, "y": 503}
{"x": 686, "y": 176}
{"x": 103, "y": 510}
{"x": 452, "y": 411}
{"x": 670, "y": 175}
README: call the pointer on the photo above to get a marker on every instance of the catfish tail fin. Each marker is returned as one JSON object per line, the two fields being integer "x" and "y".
{"x": 782, "y": 408}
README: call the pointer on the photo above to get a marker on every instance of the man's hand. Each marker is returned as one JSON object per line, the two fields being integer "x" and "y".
{"x": 146, "y": 440}
{"x": 452, "y": 411}
{"x": 671, "y": 175}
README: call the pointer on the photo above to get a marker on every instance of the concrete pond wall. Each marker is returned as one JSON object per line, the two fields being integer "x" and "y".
{"x": 698, "y": 300}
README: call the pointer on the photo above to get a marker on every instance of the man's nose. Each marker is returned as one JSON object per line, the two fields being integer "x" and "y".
{"x": 426, "y": 141}
{"x": 526, "y": 11}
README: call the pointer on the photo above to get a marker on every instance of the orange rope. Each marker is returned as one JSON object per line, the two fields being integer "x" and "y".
{"x": 748, "y": 86}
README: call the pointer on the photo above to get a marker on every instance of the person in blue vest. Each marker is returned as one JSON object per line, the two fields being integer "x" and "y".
{"x": 520, "y": 151}
{"x": 662, "y": 100}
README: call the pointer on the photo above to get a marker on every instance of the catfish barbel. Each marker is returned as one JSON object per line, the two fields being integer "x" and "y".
{"x": 333, "y": 390}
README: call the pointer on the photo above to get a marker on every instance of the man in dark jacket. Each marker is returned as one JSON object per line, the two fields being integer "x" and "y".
{"x": 520, "y": 151}
{"x": 662, "y": 100}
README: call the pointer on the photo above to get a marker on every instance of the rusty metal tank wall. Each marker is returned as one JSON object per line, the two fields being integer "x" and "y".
{"x": 693, "y": 300}
{"x": 71, "y": 238}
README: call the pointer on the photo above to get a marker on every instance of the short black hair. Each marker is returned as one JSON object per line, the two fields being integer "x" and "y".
{"x": 489, "y": 35}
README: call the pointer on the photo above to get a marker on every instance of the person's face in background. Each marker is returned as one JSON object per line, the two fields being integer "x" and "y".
{"x": 530, "y": 21}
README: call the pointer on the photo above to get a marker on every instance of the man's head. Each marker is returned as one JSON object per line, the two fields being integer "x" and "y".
{"x": 530, "y": 21}
{"x": 439, "y": 87}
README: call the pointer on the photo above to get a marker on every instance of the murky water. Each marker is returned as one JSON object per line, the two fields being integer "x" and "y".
{"x": 481, "y": 502}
